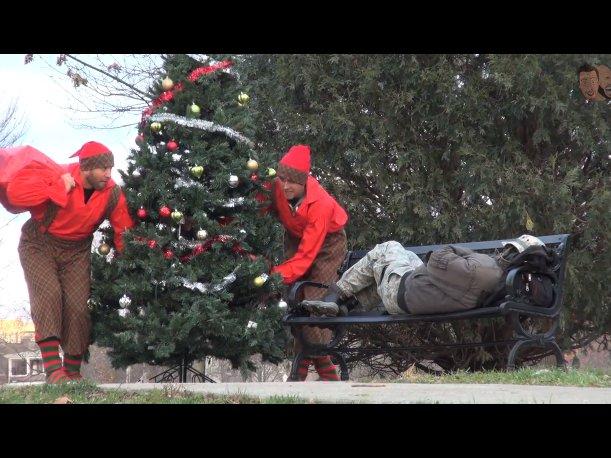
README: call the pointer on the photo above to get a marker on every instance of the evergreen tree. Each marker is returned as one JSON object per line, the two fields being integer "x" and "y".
{"x": 431, "y": 149}
{"x": 192, "y": 281}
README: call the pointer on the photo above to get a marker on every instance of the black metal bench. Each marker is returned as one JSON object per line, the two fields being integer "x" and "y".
{"x": 512, "y": 307}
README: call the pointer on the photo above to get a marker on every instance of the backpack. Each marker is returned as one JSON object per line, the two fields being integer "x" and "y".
{"x": 536, "y": 287}
{"x": 12, "y": 160}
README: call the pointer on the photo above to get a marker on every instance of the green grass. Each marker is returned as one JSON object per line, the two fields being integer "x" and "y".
{"x": 527, "y": 376}
{"x": 86, "y": 392}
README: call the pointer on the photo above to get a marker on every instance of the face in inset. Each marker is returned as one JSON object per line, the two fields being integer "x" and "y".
{"x": 97, "y": 178}
{"x": 588, "y": 83}
{"x": 604, "y": 77}
{"x": 291, "y": 189}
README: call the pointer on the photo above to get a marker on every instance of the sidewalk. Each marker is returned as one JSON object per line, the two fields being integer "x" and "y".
{"x": 395, "y": 393}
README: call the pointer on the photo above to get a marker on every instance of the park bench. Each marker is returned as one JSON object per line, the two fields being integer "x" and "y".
{"x": 513, "y": 307}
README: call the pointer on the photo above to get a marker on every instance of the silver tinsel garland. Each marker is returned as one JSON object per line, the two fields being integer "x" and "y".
{"x": 205, "y": 287}
{"x": 202, "y": 125}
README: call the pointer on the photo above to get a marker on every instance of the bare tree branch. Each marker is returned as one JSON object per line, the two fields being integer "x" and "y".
{"x": 12, "y": 126}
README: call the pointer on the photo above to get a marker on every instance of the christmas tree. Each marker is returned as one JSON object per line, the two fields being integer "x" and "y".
{"x": 193, "y": 278}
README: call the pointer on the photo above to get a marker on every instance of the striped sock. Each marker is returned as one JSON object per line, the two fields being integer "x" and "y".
{"x": 326, "y": 369}
{"x": 302, "y": 370}
{"x": 72, "y": 363}
{"x": 49, "y": 350}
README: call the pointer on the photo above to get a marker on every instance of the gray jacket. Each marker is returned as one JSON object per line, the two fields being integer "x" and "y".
{"x": 454, "y": 279}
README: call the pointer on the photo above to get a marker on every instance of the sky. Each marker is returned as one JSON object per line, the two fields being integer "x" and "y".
{"x": 43, "y": 95}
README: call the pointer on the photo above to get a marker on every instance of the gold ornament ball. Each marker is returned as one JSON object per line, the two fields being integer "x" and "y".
{"x": 252, "y": 165}
{"x": 104, "y": 249}
{"x": 259, "y": 281}
{"x": 156, "y": 126}
{"x": 197, "y": 171}
{"x": 243, "y": 98}
{"x": 167, "y": 84}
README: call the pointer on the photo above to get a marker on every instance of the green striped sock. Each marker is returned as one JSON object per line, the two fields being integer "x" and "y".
{"x": 49, "y": 350}
{"x": 72, "y": 363}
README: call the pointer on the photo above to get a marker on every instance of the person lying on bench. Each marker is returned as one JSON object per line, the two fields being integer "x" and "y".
{"x": 453, "y": 279}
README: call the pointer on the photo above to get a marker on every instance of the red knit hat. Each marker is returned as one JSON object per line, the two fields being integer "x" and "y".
{"x": 295, "y": 164}
{"x": 94, "y": 155}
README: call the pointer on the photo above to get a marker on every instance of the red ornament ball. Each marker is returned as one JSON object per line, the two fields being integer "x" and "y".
{"x": 141, "y": 213}
{"x": 254, "y": 177}
{"x": 168, "y": 254}
{"x": 165, "y": 212}
{"x": 152, "y": 243}
{"x": 139, "y": 139}
{"x": 172, "y": 145}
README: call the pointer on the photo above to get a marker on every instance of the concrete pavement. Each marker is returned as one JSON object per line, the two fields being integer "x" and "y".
{"x": 394, "y": 393}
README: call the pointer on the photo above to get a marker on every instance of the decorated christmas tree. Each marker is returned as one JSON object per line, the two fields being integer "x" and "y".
{"x": 193, "y": 278}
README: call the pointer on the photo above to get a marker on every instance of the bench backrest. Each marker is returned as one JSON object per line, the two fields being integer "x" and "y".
{"x": 559, "y": 243}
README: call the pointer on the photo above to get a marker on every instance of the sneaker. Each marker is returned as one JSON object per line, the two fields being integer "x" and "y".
{"x": 320, "y": 308}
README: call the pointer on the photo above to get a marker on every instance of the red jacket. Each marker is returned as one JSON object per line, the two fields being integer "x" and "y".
{"x": 34, "y": 185}
{"x": 318, "y": 215}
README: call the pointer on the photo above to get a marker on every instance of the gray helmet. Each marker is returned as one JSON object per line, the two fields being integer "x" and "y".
{"x": 523, "y": 242}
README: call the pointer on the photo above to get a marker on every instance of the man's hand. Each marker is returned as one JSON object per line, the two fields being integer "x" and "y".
{"x": 68, "y": 181}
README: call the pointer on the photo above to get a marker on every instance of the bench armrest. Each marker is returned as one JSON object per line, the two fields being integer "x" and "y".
{"x": 297, "y": 287}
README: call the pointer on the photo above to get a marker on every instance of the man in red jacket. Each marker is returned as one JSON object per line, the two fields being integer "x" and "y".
{"x": 55, "y": 249}
{"x": 314, "y": 239}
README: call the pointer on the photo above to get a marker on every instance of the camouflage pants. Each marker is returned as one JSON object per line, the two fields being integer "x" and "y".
{"x": 57, "y": 273}
{"x": 377, "y": 276}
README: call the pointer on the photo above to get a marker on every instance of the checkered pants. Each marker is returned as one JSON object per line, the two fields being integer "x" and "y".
{"x": 57, "y": 273}
{"x": 323, "y": 270}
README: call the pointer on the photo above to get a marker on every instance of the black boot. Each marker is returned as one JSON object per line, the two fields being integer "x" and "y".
{"x": 334, "y": 303}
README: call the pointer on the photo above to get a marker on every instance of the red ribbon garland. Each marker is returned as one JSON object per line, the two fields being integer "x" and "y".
{"x": 169, "y": 95}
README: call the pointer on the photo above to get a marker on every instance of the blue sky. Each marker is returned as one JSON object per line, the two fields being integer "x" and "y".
{"x": 43, "y": 94}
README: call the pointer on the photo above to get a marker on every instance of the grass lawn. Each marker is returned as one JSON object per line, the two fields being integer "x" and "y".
{"x": 527, "y": 376}
{"x": 86, "y": 392}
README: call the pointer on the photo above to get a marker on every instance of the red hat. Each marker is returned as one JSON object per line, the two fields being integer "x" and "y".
{"x": 94, "y": 155}
{"x": 295, "y": 164}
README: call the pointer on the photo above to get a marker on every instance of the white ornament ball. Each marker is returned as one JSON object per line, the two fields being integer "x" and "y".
{"x": 233, "y": 181}
{"x": 125, "y": 301}
{"x": 282, "y": 304}
{"x": 202, "y": 234}
{"x": 186, "y": 151}
{"x": 136, "y": 173}
{"x": 176, "y": 157}
{"x": 123, "y": 313}
{"x": 251, "y": 324}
